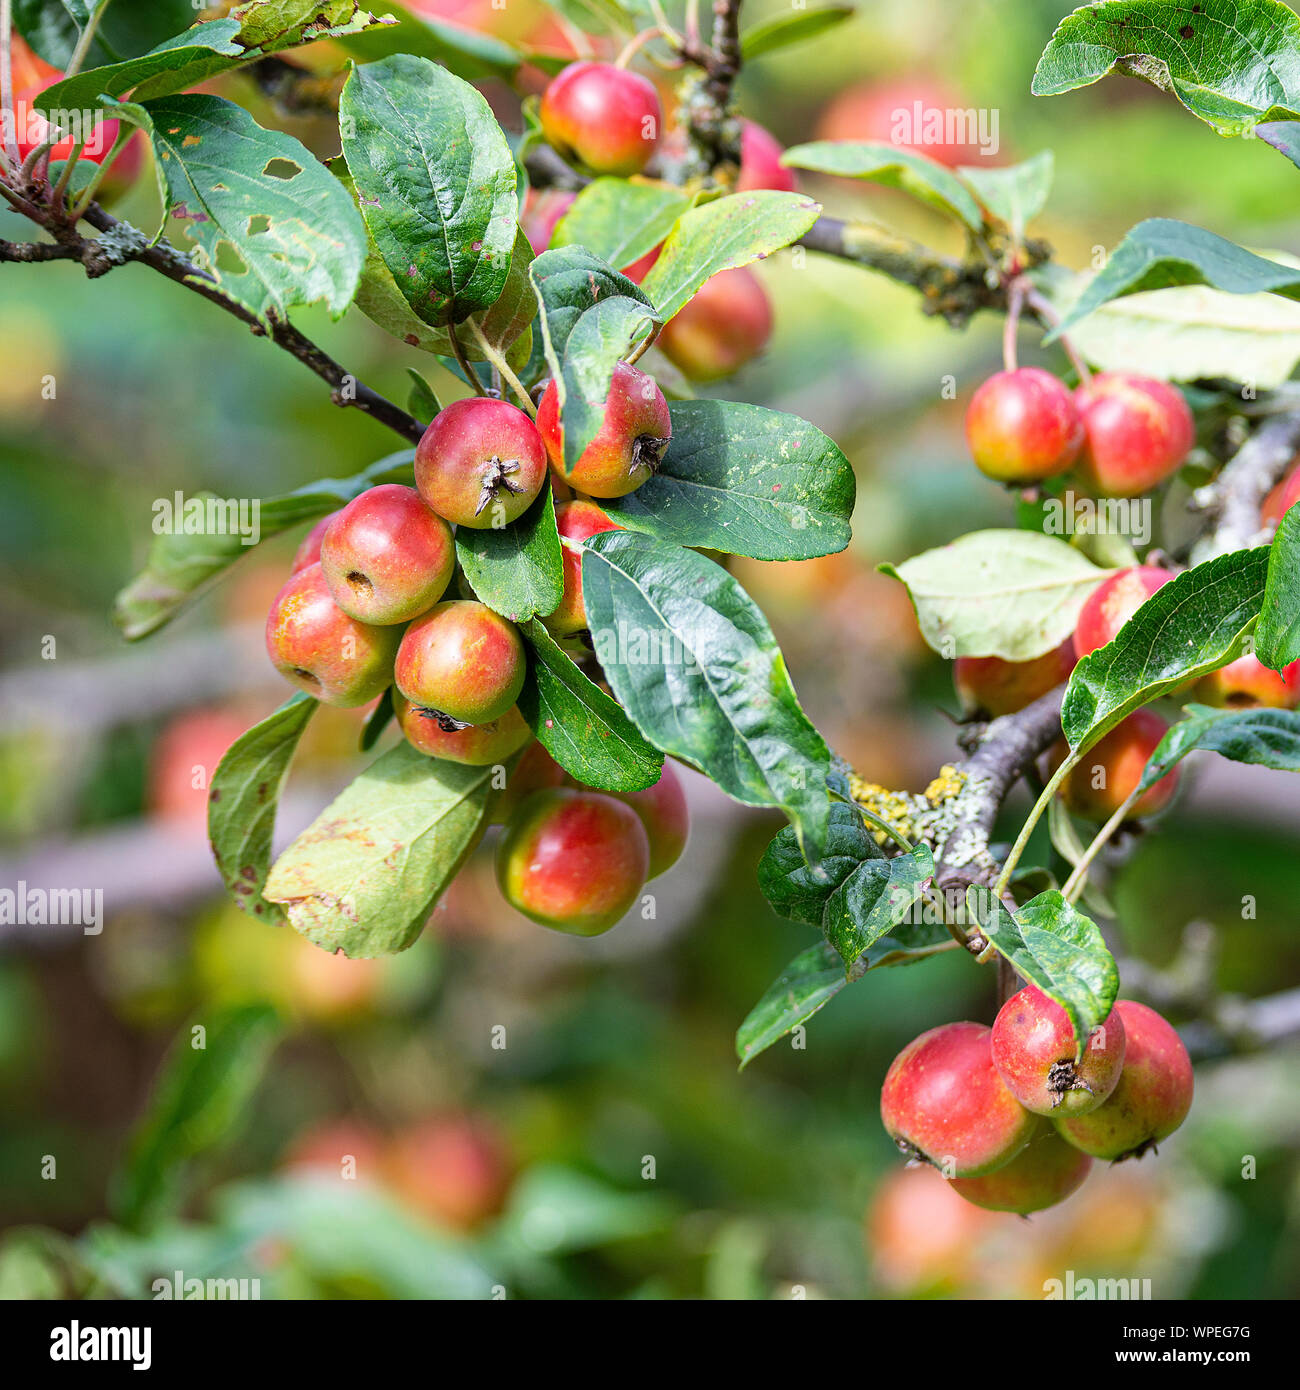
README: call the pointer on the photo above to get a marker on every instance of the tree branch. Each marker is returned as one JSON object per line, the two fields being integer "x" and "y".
{"x": 30, "y": 252}
{"x": 1232, "y": 501}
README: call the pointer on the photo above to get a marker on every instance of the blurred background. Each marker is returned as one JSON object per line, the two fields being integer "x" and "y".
{"x": 526, "y": 1112}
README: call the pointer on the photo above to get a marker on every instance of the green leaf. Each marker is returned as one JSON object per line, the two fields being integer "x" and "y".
{"x": 873, "y": 901}
{"x": 747, "y": 481}
{"x": 579, "y": 725}
{"x": 1015, "y": 194}
{"x": 694, "y": 663}
{"x": 124, "y": 31}
{"x": 568, "y": 281}
{"x": 364, "y": 876}
{"x": 377, "y": 721}
{"x": 517, "y": 570}
{"x": 782, "y": 30}
{"x": 792, "y": 889}
{"x": 1230, "y": 62}
{"x": 1053, "y": 945}
{"x": 1182, "y": 334}
{"x": 1013, "y": 594}
{"x": 619, "y": 220}
{"x": 421, "y": 402}
{"x": 260, "y": 198}
{"x": 1194, "y": 624}
{"x": 466, "y": 52}
{"x": 721, "y": 235}
{"x": 242, "y": 801}
{"x": 893, "y": 166}
{"x": 1266, "y": 737}
{"x": 1160, "y": 253}
{"x": 436, "y": 183}
{"x": 199, "y": 1099}
{"x": 182, "y": 563}
{"x": 811, "y": 980}
{"x": 1277, "y": 639}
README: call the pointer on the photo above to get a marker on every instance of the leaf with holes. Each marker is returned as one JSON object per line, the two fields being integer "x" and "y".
{"x": 579, "y": 725}
{"x": 1230, "y": 62}
{"x": 260, "y": 198}
{"x": 1194, "y": 624}
{"x": 1277, "y": 639}
{"x": 183, "y": 562}
{"x": 518, "y": 569}
{"x": 692, "y": 660}
{"x": 894, "y": 167}
{"x": 746, "y": 481}
{"x": 1013, "y": 594}
{"x": 722, "y": 235}
{"x": 1053, "y": 945}
{"x": 436, "y": 184}
{"x": 364, "y": 876}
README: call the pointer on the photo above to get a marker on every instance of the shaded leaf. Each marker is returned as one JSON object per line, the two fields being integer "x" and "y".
{"x": 873, "y": 900}
{"x": 1277, "y": 638}
{"x": 620, "y": 220}
{"x": 517, "y": 570}
{"x": 792, "y": 889}
{"x": 1266, "y": 737}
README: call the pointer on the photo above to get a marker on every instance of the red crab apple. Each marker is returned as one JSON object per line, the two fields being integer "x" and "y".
{"x": 944, "y": 1101}
{"x": 573, "y": 860}
{"x": 321, "y": 650}
{"x": 1112, "y": 768}
{"x": 627, "y": 447}
{"x": 990, "y": 686}
{"x": 1152, "y": 1098}
{"x": 909, "y": 113}
{"x": 477, "y": 745}
{"x": 1248, "y": 684}
{"x": 1137, "y": 431}
{"x": 1280, "y": 501}
{"x": 1112, "y": 603}
{"x": 1023, "y": 426}
{"x": 308, "y": 553}
{"x": 543, "y": 208}
{"x": 1034, "y": 1050}
{"x": 480, "y": 463}
{"x": 1045, "y": 1172}
{"x": 760, "y": 161}
{"x": 920, "y": 1235}
{"x": 463, "y": 661}
{"x": 602, "y": 117}
{"x": 454, "y": 1169}
{"x": 386, "y": 557}
{"x": 576, "y": 521}
{"x": 663, "y": 811}
{"x": 726, "y": 323}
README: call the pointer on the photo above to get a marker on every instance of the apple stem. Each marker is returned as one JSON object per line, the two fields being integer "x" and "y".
{"x": 1074, "y": 884}
{"x": 1015, "y": 302}
{"x": 1048, "y": 314}
{"x": 635, "y": 43}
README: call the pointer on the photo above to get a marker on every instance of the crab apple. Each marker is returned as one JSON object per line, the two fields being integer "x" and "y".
{"x": 726, "y": 323}
{"x": 1033, "y": 1049}
{"x": 1112, "y": 768}
{"x": 576, "y": 521}
{"x": 321, "y": 650}
{"x": 627, "y": 447}
{"x": 990, "y": 686}
{"x": 1248, "y": 684}
{"x": 476, "y": 745}
{"x": 543, "y": 208}
{"x": 1137, "y": 431}
{"x": 760, "y": 161}
{"x": 912, "y": 113}
{"x": 920, "y": 1235}
{"x": 454, "y": 1169}
{"x": 943, "y": 1100}
{"x": 1280, "y": 501}
{"x": 463, "y": 661}
{"x": 308, "y": 553}
{"x": 535, "y": 771}
{"x": 386, "y": 557}
{"x": 1152, "y": 1098}
{"x": 1112, "y": 603}
{"x": 667, "y": 821}
{"x": 480, "y": 463}
{"x": 573, "y": 860}
{"x": 602, "y": 117}
{"x": 1046, "y": 1171}
{"x": 1023, "y": 426}
{"x": 640, "y": 267}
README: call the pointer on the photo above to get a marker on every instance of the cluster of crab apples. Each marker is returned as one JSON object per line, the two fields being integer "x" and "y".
{"x": 606, "y": 120}
{"x": 1014, "y": 1115}
{"x": 367, "y": 608}
{"x": 1099, "y": 785}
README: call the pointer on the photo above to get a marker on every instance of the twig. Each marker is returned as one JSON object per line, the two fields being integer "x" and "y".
{"x": 1232, "y": 501}
{"x": 32, "y": 251}
{"x": 471, "y": 376}
{"x": 85, "y": 39}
